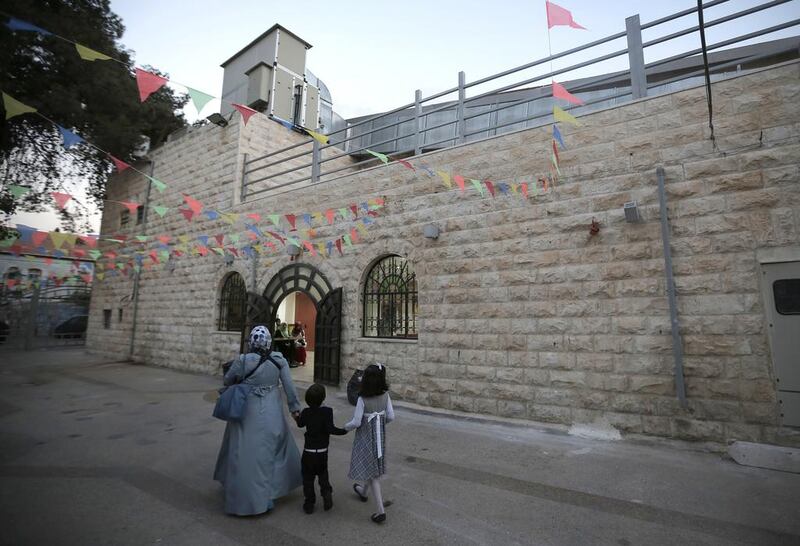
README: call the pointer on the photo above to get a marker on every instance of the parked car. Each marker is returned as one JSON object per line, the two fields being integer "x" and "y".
{"x": 73, "y": 327}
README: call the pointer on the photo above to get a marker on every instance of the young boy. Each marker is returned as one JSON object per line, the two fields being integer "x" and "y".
{"x": 318, "y": 420}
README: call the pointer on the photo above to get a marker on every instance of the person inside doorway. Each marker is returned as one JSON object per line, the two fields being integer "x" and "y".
{"x": 283, "y": 342}
{"x": 299, "y": 336}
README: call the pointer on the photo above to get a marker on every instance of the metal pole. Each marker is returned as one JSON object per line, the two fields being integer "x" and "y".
{"x": 417, "y": 118}
{"x": 244, "y": 179}
{"x": 33, "y": 313}
{"x": 315, "y": 153}
{"x": 138, "y": 273}
{"x": 677, "y": 346}
{"x": 636, "y": 57}
{"x": 461, "y": 128}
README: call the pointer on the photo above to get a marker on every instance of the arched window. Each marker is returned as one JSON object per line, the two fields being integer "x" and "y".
{"x": 232, "y": 303}
{"x": 390, "y": 299}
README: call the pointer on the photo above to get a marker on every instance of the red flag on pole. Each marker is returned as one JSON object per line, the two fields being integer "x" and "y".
{"x": 560, "y": 92}
{"x": 558, "y": 16}
{"x": 148, "y": 83}
{"x": 246, "y": 111}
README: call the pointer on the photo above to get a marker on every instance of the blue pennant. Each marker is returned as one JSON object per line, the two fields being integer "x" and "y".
{"x": 70, "y": 138}
{"x": 17, "y": 24}
{"x": 557, "y": 136}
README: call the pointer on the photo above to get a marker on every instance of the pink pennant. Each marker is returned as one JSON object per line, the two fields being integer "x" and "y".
{"x": 291, "y": 218}
{"x": 338, "y": 244}
{"x": 556, "y": 15}
{"x": 86, "y": 278}
{"x": 148, "y": 83}
{"x": 278, "y": 237}
{"x": 460, "y": 181}
{"x": 90, "y": 240}
{"x": 489, "y": 186}
{"x": 219, "y": 239}
{"x": 255, "y": 217}
{"x": 187, "y": 213}
{"x": 110, "y": 255}
{"x": 246, "y": 111}
{"x": 379, "y": 201}
{"x": 560, "y": 92}
{"x": 194, "y": 204}
{"x": 406, "y": 164}
{"x": 524, "y": 188}
{"x": 164, "y": 239}
{"x": 354, "y": 235}
{"x": 202, "y": 250}
{"x": 39, "y": 237}
{"x": 354, "y": 209}
{"x": 131, "y": 206}
{"x": 329, "y": 214}
{"x": 61, "y": 198}
{"x": 119, "y": 164}
{"x": 79, "y": 252}
{"x": 48, "y": 260}
{"x": 233, "y": 251}
{"x": 252, "y": 235}
{"x": 154, "y": 257}
{"x": 310, "y": 247}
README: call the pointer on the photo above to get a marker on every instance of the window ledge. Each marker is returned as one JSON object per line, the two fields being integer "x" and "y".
{"x": 387, "y": 339}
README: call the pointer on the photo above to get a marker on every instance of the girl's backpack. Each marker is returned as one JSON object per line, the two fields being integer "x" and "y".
{"x": 354, "y": 386}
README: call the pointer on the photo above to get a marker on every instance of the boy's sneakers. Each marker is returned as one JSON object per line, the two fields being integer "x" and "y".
{"x": 308, "y": 507}
{"x": 327, "y": 501}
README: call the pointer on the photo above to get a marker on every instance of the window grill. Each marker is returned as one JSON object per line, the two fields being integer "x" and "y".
{"x": 232, "y": 304}
{"x": 390, "y": 300}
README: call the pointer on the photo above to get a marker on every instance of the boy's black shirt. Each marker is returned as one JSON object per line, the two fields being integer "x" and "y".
{"x": 319, "y": 426}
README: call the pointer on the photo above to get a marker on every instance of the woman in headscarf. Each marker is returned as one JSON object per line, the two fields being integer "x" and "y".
{"x": 259, "y": 461}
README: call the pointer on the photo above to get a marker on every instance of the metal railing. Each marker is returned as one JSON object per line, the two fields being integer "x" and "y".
{"x": 422, "y": 125}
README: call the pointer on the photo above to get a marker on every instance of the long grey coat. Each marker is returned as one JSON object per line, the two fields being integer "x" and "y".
{"x": 259, "y": 461}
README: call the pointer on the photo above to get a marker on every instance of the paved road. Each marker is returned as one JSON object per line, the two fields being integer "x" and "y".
{"x": 96, "y": 452}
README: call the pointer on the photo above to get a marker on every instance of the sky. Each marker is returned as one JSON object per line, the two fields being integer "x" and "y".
{"x": 374, "y": 55}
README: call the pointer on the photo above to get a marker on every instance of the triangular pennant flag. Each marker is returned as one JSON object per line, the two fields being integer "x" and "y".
{"x": 130, "y": 205}
{"x": 187, "y": 213}
{"x": 322, "y": 139}
{"x": 330, "y": 214}
{"x": 557, "y": 136}
{"x": 90, "y": 240}
{"x": 58, "y": 238}
{"x": 459, "y": 180}
{"x": 90, "y": 54}
{"x": 119, "y": 164}
{"x": 554, "y": 160}
{"x": 164, "y": 239}
{"x": 25, "y": 233}
{"x": 503, "y": 187}
{"x": 310, "y": 247}
{"x": 142, "y": 238}
{"x": 379, "y": 155}
{"x": 18, "y": 191}
{"x": 338, "y": 243}
{"x": 445, "y": 179}
{"x": 555, "y": 152}
{"x": 347, "y": 240}
{"x": 278, "y": 237}
{"x": 560, "y": 92}
{"x": 14, "y": 107}
{"x": 246, "y": 111}
{"x": 234, "y": 237}
{"x": 148, "y": 83}
{"x": 203, "y": 239}
{"x": 291, "y": 218}
{"x": 95, "y": 254}
{"x": 321, "y": 249}
{"x": 219, "y": 238}
{"x": 477, "y": 185}
{"x": 199, "y": 99}
{"x": 202, "y": 250}
{"x": 561, "y": 115}
{"x": 100, "y": 276}
{"x": 218, "y": 250}
{"x": 354, "y": 235}
{"x": 159, "y": 185}
{"x": 70, "y": 138}
{"x": 61, "y": 198}
{"x": 329, "y": 247}
{"x": 524, "y": 189}
{"x": 211, "y": 214}
{"x": 17, "y": 24}
{"x": 275, "y": 219}
{"x": 39, "y": 237}
{"x": 288, "y": 124}
{"x": 254, "y": 216}
{"x": 230, "y": 217}
{"x": 307, "y": 219}
{"x": 354, "y": 210}
{"x": 556, "y": 15}
{"x": 426, "y": 168}
{"x": 161, "y": 210}
{"x": 343, "y": 212}
{"x": 194, "y": 204}
{"x": 406, "y": 164}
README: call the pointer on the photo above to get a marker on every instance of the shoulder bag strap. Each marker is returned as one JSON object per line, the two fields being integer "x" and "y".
{"x": 260, "y": 362}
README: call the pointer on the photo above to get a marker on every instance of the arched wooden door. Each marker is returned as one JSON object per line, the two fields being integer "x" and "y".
{"x": 300, "y": 277}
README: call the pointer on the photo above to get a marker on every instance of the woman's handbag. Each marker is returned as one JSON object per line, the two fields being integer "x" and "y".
{"x": 232, "y": 401}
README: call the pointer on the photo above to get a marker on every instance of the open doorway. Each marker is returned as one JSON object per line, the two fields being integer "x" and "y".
{"x": 299, "y": 313}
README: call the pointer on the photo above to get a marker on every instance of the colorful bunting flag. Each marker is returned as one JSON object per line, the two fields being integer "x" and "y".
{"x": 119, "y": 164}
{"x": 557, "y": 136}
{"x": 354, "y": 235}
{"x": 130, "y": 205}
{"x": 17, "y": 24}
{"x": 288, "y": 124}
{"x": 406, "y": 164}
{"x": 489, "y": 186}
{"x": 477, "y": 185}
{"x": 162, "y": 210}
{"x": 194, "y": 204}
{"x": 211, "y": 214}
{"x": 219, "y": 239}
{"x": 322, "y": 139}
{"x": 39, "y": 237}
{"x": 379, "y": 155}
{"x": 187, "y": 213}
{"x": 558, "y": 16}
{"x": 90, "y": 54}
{"x": 254, "y": 216}
{"x": 18, "y": 191}
{"x": 275, "y": 219}
{"x": 14, "y": 107}
{"x": 426, "y": 168}
{"x": 291, "y": 218}
{"x": 459, "y": 181}
{"x": 307, "y": 219}
{"x": 246, "y": 111}
{"x": 445, "y": 179}
{"x": 524, "y": 189}
{"x": 560, "y": 92}
{"x": 61, "y": 199}
{"x": 199, "y": 99}
{"x": 561, "y": 115}
{"x": 148, "y": 83}
{"x": 329, "y": 214}
{"x": 159, "y": 185}
{"x": 70, "y": 138}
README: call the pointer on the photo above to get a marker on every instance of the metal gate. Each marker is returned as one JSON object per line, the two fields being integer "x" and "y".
{"x": 300, "y": 277}
{"x": 44, "y": 315}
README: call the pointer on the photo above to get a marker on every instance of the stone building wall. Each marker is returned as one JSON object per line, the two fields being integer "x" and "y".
{"x": 522, "y": 312}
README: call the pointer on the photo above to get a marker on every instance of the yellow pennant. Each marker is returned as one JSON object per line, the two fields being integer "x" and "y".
{"x": 322, "y": 139}
{"x": 14, "y": 107}
{"x": 445, "y": 178}
{"x": 561, "y": 115}
{"x": 90, "y": 54}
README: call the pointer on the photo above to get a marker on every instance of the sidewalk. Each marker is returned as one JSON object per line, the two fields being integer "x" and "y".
{"x": 112, "y": 453}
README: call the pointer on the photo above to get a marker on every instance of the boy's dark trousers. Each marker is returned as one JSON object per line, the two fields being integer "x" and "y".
{"x": 313, "y": 465}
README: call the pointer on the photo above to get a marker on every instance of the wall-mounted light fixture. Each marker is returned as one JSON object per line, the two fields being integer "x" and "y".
{"x": 594, "y": 228}
{"x": 218, "y": 119}
{"x": 632, "y": 215}
{"x": 430, "y": 231}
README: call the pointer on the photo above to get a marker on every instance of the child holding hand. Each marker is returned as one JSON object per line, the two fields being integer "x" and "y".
{"x": 368, "y": 461}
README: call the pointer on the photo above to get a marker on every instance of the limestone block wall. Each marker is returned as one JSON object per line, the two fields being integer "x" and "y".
{"x": 522, "y": 312}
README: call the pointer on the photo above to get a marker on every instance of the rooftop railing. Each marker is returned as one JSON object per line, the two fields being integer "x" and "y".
{"x": 425, "y": 125}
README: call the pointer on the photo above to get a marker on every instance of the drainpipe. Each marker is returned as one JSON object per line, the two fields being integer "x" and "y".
{"x": 677, "y": 346}
{"x": 138, "y": 273}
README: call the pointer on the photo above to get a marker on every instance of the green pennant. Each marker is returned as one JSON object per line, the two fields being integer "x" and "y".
{"x": 379, "y": 155}
{"x": 18, "y": 191}
{"x": 477, "y": 184}
{"x": 142, "y": 238}
{"x": 160, "y": 210}
{"x": 347, "y": 240}
{"x": 344, "y": 213}
{"x": 218, "y": 250}
{"x": 234, "y": 237}
{"x": 95, "y": 254}
{"x": 160, "y": 186}
{"x": 199, "y": 99}
{"x": 8, "y": 242}
{"x": 276, "y": 219}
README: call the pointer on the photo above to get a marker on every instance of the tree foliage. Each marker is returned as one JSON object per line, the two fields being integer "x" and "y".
{"x": 97, "y": 100}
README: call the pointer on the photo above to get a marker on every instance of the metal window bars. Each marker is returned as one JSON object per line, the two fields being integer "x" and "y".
{"x": 232, "y": 303}
{"x": 421, "y": 126}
